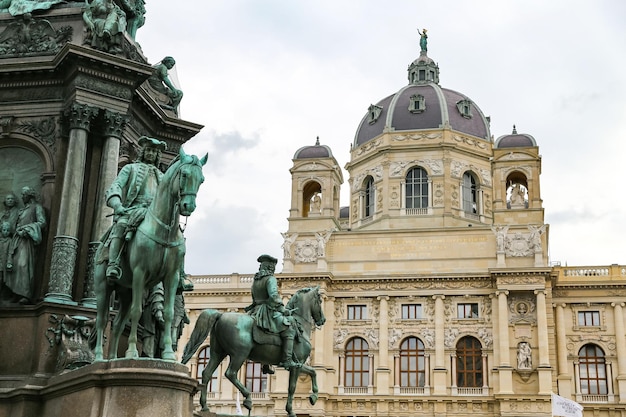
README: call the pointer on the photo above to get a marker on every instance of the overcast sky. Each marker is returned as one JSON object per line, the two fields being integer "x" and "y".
{"x": 267, "y": 77}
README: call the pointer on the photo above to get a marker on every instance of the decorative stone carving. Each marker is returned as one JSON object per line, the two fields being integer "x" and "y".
{"x": 368, "y": 146}
{"x": 44, "y": 130}
{"x": 306, "y": 251}
{"x": 29, "y": 36}
{"x": 81, "y": 115}
{"x": 71, "y": 336}
{"x": 340, "y": 337}
{"x": 522, "y": 310}
{"x": 394, "y": 337}
{"x": 428, "y": 337}
{"x": 322, "y": 239}
{"x": 417, "y": 137}
{"x": 64, "y": 250}
{"x": 289, "y": 239}
{"x": 397, "y": 169}
{"x": 372, "y": 336}
{"x": 485, "y": 334}
{"x": 114, "y": 124}
{"x": 450, "y": 336}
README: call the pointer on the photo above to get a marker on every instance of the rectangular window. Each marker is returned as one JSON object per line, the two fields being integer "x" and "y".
{"x": 467, "y": 311}
{"x": 589, "y": 318}
{"x": 411, "y": 311}
{"x": 357, "y": 312}
{"x": 255, "y": 380}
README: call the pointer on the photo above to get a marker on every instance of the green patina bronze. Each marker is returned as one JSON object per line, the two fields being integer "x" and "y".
{"x": 106, "y": 23}
{"x": 237, "y": 335}
{"x": 160, "y": 82}
{"x": 151, "y": 245}
{"x": 423, "y": 40}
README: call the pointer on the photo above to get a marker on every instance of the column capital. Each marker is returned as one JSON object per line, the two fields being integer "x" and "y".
{"x": 439, "y": 297}
{"x": 80, "y": 115}
{"x": 615, "y": 305}
{"x": 540, "y": 291}
{"x": 383, "y": 297}
{"x": 502, "y": 292}
{"x": 559, "y": 305}
{"x": 114, "y": 123}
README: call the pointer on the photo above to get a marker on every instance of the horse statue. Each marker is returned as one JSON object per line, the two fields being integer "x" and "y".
{"x": 232, "y": 335}
{"x": 155, "y": 254}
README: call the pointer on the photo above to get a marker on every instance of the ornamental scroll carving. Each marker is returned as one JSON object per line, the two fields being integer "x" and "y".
{"x": 29, "y": 36}
{"x": 397, "y": 169}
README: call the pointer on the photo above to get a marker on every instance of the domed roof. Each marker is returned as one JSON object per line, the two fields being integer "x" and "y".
{"x": 315, "y": 151}
{"x": 515, "y": 140}
{"x": 423, "y": 104}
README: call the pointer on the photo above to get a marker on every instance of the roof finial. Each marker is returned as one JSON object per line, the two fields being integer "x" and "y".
{"x": 423, "y": 40}
{"x": 514, "y": 130}
{"x": 317, "y": 142}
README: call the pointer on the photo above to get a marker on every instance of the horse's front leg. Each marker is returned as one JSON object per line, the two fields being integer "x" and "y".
{"x": 311, "y": 372}
{"x": 169, "y": 287}
{"x": 135, "y": 312}
{"x": 102, "y": 314}
{"x": 293, "y": 380}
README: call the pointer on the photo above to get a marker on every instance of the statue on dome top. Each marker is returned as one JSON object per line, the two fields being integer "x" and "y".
{"x": 423, "y": 40}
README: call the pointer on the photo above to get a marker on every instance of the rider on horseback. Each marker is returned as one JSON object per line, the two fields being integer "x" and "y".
{"x": 129, "y": 196}
{"x": 269, "y": 312}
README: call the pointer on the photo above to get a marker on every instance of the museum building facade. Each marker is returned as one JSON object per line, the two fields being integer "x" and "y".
{"x": 438, "y": 291}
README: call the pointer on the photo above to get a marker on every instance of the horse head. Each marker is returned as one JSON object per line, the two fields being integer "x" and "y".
{"x": 307, "y": 302}
{"x": 317, "y": 312}
{"x": 189, "y": 180}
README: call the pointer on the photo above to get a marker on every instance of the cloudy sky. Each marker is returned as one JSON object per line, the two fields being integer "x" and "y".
{"x": 267, "y": 77}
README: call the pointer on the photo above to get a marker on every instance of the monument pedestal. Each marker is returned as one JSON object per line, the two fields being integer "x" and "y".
{"x": 122, "y": 388}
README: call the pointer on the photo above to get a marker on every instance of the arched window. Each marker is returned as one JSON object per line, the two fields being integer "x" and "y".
{"x": 255, "y": 380}
{"x": 592, "y": 370}
{"x": 357, "y": 363}
{"x": 469, "y": 363}
{"x": 416, "y": 188}
{"x": 311, "y": 194}
{"x": 203, "y": 360}
{"x": 412, "y": 368}
{"x": 470, "y": 194}
{"x": 369, "y": 197}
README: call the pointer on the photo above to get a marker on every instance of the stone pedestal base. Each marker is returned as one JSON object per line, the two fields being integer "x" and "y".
{"x": 122, "y": 388}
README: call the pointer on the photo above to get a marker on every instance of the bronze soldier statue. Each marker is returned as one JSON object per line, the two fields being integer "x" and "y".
{"x": 269, "y": 312}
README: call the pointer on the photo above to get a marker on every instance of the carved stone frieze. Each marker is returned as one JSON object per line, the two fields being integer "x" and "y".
{"x": 450, "y": 336}
{"x": 44, "y": 130}
{"x": 438, "y": 194}
{"x": 28, "y": 36}
{"x": 304, "y": 179}
{"x": 413, "y": 284}
{"x": 469, "y": 141}
{"x": 397, "y": 169}
{"x": 357, "y": 182}
{"x": 110, "y": 88}
{"x": 521, "y": 280}
{"x": 368, "y": 146}
{"x": 417, "y": 137}
{"x": 428, "y": 337}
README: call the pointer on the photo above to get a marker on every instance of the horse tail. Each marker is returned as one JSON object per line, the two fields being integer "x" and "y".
{"x": 201, "y": 330}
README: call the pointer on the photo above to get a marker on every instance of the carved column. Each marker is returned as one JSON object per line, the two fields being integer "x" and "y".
{"x": 328, "y": 329}
{"x": 544, "y": 369}
{"x": 620, "y": 346}
{"x": 383, "y": 372}
{"x": 505, "y": 370}
{"x": 439, "y": 371}
{"x": 65, "y": 244}
{"x": 564, "y": 379}
{"x": 114, "y": 124}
